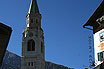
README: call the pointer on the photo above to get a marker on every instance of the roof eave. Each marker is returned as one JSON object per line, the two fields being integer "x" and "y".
{"x": 97, "y": 14}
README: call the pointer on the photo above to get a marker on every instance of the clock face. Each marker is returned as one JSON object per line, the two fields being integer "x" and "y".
{"x": 30, "y": 34}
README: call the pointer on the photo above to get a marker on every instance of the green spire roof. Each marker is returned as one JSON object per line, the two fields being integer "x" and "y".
{"x": 33, "y": 7}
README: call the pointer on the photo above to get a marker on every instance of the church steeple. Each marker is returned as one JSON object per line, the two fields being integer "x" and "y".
{"x": 33, "y": 7}
{"x": 33, "y": 16}
{"x": 33, "y": 52}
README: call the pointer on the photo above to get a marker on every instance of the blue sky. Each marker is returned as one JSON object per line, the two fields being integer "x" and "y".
{"x": 66, "y": 42}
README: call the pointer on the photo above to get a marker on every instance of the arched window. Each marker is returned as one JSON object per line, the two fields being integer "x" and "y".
{"x": 31, "y": 45}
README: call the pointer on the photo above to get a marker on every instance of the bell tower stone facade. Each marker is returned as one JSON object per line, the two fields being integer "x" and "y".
{"x": 33, "y": 49}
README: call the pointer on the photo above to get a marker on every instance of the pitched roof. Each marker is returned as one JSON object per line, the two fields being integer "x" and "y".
{"x": 5, "y": 33}
{"x": 97, "y": 14}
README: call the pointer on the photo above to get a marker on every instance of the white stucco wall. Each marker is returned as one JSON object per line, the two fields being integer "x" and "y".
{"x": 96, "y": 46}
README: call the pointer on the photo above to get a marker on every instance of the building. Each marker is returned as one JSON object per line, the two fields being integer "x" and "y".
{"x": 97, "y": 22}
{"x": 33, "y": 56}
{"x": 5, "y": 33}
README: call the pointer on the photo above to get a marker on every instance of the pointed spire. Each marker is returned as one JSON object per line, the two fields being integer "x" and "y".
{"x": 33, "y": 7}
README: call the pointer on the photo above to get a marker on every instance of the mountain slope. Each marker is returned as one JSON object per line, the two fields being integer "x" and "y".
{"x": 13, "y": 61}
{"x": 49, "y": 65}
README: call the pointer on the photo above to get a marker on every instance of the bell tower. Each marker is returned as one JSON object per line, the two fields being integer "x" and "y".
{"x": 33, "y": 48}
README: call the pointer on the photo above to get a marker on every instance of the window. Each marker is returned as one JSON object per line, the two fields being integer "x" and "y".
{"x": 31, "y": 45}
{"x": 30, "y": 64}
{"x": 31, "y": 20}
{"x": 42, "y": 47}
{"x": 100, "y": 56}
{"x": 36, "y": 20}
